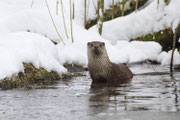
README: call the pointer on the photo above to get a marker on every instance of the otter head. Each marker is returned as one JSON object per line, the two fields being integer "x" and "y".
{"x": 96, "y": 48}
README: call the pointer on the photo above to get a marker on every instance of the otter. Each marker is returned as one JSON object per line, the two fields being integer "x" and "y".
{"x": 100, "y": 67}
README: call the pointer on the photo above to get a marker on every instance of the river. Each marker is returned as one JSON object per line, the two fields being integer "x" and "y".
{"x": 149, "y": 97}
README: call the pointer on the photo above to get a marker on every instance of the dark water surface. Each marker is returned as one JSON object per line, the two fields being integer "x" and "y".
{"x": 143, "y": 98}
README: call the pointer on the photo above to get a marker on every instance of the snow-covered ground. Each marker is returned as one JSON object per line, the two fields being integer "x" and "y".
{"x": 18, "y": 46}
{"x": 151, "y": 19}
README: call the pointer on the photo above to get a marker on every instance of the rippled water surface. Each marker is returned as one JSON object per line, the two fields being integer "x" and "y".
{"x": 145, "y": 97}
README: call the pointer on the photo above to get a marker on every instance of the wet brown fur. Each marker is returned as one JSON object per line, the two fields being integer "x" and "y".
{"x": 101, "y": 69}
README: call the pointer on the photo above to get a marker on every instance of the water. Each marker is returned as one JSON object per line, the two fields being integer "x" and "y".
{"x": 145, "y": 97}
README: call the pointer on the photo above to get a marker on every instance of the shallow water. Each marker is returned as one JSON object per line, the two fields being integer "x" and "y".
{"x": 145, "y": 97}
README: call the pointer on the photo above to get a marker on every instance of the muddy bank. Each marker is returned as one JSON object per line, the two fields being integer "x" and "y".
{"x": 30, "y": 76}
{"x": 33, "y": 76}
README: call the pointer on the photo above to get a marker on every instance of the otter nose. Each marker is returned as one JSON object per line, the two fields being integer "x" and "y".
{"x": 96, "y": 47}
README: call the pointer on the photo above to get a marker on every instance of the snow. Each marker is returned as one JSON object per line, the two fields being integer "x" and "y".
{"x": 122, "y": 52}
{"x": 17, "y": 46}
{"x": 133, "y": 52}
{"x": 165, "y": 57}
{"x": 23, "y": 47}
{"x": 150, "y": 19}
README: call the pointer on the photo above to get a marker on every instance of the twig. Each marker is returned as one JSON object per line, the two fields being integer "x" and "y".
{"x": 54, "y": 23}
{"x": 57, "y": 3}
{"x": 71, "y": 23}
{"x": 172, "y": 54}
{"x": 85, "y": 13}
{"x": 32, "y": 3}
{"x": 64, "y": 22}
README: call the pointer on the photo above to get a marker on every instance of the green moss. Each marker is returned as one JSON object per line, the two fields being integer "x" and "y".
{"x": 30, "y": 76}
{"x": 163, "y": 37}
{"x": 34, "y": 74}
{"x": 8, "y": 83}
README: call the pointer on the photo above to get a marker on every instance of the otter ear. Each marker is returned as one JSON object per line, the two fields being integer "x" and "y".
{"x": 88, "y": 43}
{"x": 103, "y": 44}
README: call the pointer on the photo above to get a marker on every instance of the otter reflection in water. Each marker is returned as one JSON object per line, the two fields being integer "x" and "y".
{"x": 100, "y": 67}
{"x": 106, "y": 94}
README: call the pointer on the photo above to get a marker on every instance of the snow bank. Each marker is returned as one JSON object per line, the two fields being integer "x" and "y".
{"x": 16, "y": 48}
{"x": 151, "y": 19}
{"x": 122, "y": 52}
{"x": 36, "y": 21}
{"x": 165, "y": 57}
{"x": 133, "y": 52}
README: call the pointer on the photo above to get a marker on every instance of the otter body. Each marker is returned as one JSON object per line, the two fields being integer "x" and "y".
{"x": 101, "y": 69}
